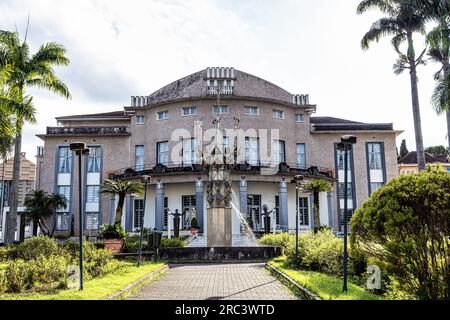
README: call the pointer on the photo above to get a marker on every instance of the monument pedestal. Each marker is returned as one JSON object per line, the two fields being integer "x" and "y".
{"x": 219, "y": 227}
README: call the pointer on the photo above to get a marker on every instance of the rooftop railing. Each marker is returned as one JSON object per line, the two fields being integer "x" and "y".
{"x": 214, "y": 90}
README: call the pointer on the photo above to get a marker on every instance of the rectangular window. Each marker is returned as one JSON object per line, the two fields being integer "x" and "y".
{"x": 94, "y": 160}
{"x": 189, "y": 210}
{"x": 65, "y": 191}
{"x": 138, "y": 213}
{"x": 301, "y": 155}
{"x": 341, "y": 161}
{"x": 162, "y": 149}
{"x": 280, "y": 156}
{"x": 278, "y": 114}
{"x": 139, "y": 158}
{"x": 140, "y": 120}
{"x": 166, "y": 212}
{"x": 93, "y": 194}
{"x": 226, "y": 145}
{"x": 221, "y": 109}
{"x": 277, "y": 210}
{"x": 254, "y": 209}
{"x": 303, "y": 211}
{"x": 375, "y": 157}
{"x": 342, "y": 190}
{"x": 92, "y": 220}
{"x": 350, "y": 213}
{"x": 189, "y": 151}
{"x": 300, "y": 118}
{"x": 163, "y": 115}
{"x": 254, "y": 111}
{"x": 252, "y": 151}
{"x": 62, "y": 221}
{"x": 374, "y": 186}
{"x": 189, "y": 111}
{"x": 65, "y": 160}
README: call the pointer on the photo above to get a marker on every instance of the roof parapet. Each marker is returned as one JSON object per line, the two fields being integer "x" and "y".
{"x": 139, "y": 101}
{"x": 300, "y": 99}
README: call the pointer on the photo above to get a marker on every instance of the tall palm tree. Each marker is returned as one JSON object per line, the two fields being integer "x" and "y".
{"x": 403, "y": 19}
{"x": 27, "y": 70}
{"x": 439, "y": 51}
{"x": 317, "y": 186}
{"x": 121, "y": 189}
{"x": 39, "y": 206}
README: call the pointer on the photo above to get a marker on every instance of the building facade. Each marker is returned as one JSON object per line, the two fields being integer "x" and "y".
{"x": 408, "y": 164}
{"x": 270, "y": 134}
{"x": 26, "y": 185}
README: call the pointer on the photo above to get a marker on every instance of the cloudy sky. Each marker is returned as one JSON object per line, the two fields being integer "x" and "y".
{"x": 123, "y": 48}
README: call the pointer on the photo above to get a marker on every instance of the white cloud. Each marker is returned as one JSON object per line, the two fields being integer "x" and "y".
{"x": 124, "y": 48}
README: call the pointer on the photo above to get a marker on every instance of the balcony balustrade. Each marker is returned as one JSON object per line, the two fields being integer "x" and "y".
{"x": 116, "y": 130}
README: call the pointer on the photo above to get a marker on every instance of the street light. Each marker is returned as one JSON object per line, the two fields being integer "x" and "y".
{"x": 346, "y": 145}
{"x": 80, "y": 150}
{"x": 297, "y": 180}
{"x": 145, "y": 180}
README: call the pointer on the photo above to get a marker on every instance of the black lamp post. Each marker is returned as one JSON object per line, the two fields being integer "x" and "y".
{"x": 346, "y": 146}
{"x": 297, "y": 179}
{"x": 145, "y": 180}
{"x": 80, "y": 150}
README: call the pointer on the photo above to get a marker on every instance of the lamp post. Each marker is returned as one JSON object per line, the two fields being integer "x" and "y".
{"x": 346, "y": 145}
{"x": 80, "y": 150}
{"x": 297, "y": 179}
{"x": 145, "y": 180}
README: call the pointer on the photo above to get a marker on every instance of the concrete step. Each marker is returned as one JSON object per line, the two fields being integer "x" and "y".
{"x": 237, "y": 241}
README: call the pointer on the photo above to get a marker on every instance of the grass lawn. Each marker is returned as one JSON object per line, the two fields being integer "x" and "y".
{"x": 325, "y": 286}
{"x": 95, "y": 289}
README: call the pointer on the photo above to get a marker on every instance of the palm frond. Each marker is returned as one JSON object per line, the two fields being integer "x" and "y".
{"x": 50, "y": 53}
{"x": 382, "y": 27}
{"x": 52, "y": 84}
{"x": 382, "y": 5}
{"x": 440, "y": 99}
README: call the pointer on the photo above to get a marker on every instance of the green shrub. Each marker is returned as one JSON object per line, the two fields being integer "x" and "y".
{"x": 17, "y": 276}
{"x": 323, "y": 252}
{"x": 277, "y": 240}
{"x": 42, "y": 273}
{"x": 33, "y": 248}
{"x": 172, "y": 243}
{"x": 95, "y": 260}
{"x": 8, "y": 253}
{"x": 113, "y": 231}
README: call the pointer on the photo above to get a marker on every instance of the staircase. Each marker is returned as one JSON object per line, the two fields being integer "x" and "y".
{"x": 238, "y": 241}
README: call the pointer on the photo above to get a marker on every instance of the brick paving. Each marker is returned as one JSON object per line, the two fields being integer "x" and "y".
{"x": 215, "y": 282}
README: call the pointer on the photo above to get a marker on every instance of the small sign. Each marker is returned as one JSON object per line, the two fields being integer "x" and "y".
{"x": 374, "y": 280}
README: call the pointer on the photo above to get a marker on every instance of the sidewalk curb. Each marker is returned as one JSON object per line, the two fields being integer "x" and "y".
{"x": 291, "y": 284}
{"x": 130, "y": 287}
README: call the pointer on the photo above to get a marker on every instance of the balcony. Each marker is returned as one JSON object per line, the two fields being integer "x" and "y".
{"x": 226, "y": 91}
{"x": 108, "y": 131}
{"x": 245, "y": 168}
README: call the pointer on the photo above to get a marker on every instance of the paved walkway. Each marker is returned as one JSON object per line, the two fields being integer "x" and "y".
{"x": 215, "y": 282}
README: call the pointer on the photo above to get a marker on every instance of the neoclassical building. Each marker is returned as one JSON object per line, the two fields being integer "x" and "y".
{"x": 155, "y": 135}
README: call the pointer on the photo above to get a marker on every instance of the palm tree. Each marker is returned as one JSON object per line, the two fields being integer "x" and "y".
{"x": 40, "y": 206}
{"x": 121, "y": 189}
{"x": 403, "y": 19}
{"x": 26, "y": 71}
{"x": 317, "y": 186}
{"x": 439, "y": 42}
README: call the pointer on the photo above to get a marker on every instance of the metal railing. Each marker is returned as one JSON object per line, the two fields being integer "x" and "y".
{"x": 214, "y": 90}
{"x": 116, "y": 130}
{"x": 187, "y": 168}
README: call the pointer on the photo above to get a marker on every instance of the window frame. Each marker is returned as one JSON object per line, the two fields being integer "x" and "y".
{"x": 66, "y": 159}
{"x": 139, "y": 165}
{"x": 246, "y": 108}
{"x": 158, "y": 152}
{"x": 220, "y": 109}
{"x": 297, "y": 154}
{"x": 140, "y": 117}
{"x": 274, "y": 111}
{"x": 158, "y": 118}
{"x": 302, "y": 115}
{"x": 183, "y": 114}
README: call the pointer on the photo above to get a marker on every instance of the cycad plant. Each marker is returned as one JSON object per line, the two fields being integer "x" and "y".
{"x": 121, "y": 189}
{"x": 403, "y": 19}
{"x": 24, "y": 71}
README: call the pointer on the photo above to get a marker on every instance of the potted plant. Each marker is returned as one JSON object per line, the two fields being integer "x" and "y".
{"x": 194, "y": 226}
{"x": 114, "y": 237}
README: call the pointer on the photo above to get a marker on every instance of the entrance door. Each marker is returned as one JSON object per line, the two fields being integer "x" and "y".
{"x": 189, "y": 211}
